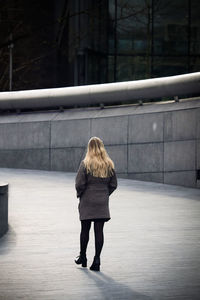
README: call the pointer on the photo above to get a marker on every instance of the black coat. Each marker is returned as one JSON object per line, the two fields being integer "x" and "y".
{"x": 94, "y": 194}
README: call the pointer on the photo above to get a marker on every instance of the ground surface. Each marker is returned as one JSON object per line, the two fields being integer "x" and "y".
{"x": 151, "y": 250}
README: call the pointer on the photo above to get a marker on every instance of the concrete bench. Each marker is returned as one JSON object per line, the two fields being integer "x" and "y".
{"x": 3, "y": 208}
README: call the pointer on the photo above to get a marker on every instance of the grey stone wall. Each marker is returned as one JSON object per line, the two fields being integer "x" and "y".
{"x": 3, "y": 208}
{"x": 154, "y": 142}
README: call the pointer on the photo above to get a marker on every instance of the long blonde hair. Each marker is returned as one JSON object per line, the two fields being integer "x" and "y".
{"x": 97, "y": 160}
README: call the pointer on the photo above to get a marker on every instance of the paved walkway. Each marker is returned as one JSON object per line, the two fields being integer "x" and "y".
{"x": 151, "y": 250}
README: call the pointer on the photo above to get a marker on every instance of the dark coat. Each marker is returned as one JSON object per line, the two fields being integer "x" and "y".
{"x": 94, "y": 194}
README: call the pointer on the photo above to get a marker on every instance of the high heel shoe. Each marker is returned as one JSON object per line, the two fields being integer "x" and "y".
{"x": 81, "y": 260}
{"x": 96, "y": 264}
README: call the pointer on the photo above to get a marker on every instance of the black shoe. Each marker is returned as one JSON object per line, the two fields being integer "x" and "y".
{"x": 96, "y": 264}
{"x": 81, "y": 260}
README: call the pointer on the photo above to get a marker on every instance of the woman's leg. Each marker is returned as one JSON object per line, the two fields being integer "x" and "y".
{"x": 99, "y": 237}
{"x": 84, "y": 236}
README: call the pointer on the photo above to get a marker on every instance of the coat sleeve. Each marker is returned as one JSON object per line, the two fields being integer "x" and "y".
{"x": 81, "y": 180}
{"x": 112, "y": 183}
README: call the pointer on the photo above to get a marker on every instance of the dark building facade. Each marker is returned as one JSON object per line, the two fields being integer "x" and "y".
{"x": 136, "y": 39}
{"x": 67, "y": 43}
{"x": 153, "y": 38}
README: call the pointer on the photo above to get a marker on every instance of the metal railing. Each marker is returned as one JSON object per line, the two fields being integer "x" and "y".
{"x": 118, "y": 92}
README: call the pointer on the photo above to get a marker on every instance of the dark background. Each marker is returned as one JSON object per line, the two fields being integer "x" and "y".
{"x": 66, "y": 43}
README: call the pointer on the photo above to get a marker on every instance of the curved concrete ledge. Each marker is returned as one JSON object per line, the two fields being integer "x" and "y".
{"x": 3, "y": 208}
{"x": 102, "y": 93}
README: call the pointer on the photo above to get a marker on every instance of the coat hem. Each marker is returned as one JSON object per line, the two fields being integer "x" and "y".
{"x": 96, "y": 219}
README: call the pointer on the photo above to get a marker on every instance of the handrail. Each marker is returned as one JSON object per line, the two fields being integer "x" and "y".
{"x": 178, "y": 85}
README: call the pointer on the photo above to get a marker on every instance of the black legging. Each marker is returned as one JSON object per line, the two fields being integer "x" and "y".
{"x": 84, "y": 236}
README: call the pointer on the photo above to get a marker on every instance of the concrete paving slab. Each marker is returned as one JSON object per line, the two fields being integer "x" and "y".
{"x": 151, "y": 248}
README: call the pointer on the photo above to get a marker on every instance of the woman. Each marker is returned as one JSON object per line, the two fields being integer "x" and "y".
{"x": 95, "y": 181}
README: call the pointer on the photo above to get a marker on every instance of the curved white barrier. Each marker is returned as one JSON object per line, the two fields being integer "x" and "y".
{"x": 102, "y": 93}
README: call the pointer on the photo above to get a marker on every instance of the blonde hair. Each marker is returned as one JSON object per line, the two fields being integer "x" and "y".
{"x": 97, "y": 161}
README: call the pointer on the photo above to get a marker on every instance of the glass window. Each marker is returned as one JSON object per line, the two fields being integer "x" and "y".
{"x": 134, "y": 26}
{"x": 195, "y": 27}
{"x": 111, "y": 68}
{"x": 170, "y": 19}
{"x": 195, "y": 64}
{"x": 143, "y": 53}
{"x": 96, "y": 68}
{"x": 111, "y": 26}
{"x": 167, "y": 66}
{"x": 96, "y": 24}
{"x": 132, "y": 68}
{"x": 103, "y": 69}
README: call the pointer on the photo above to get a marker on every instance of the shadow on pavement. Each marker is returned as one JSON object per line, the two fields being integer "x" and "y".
{"x": 111, "y": 289}
{"x": 8, "y": 241}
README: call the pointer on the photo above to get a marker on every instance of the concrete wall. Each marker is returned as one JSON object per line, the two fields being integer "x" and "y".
{"x": 155, "y": 142}
{"x": 3, "y": 209}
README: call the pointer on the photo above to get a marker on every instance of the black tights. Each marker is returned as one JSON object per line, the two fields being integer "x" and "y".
{"x": 84, "y": 236}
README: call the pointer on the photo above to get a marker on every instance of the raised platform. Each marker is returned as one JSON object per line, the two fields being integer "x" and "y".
{"x": 151, "y": 248}
{"x": 3, "y": 208}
